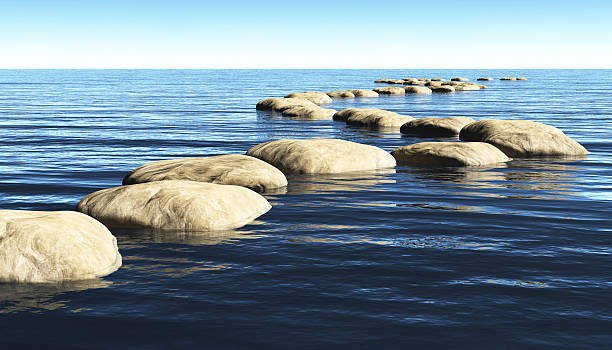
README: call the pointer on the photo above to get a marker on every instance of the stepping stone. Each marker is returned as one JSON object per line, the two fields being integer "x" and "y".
{"x": 436, "y": 127}
{"x": 449, "y": 154}
{"x": 390, "y": 90}
{"x": 315, "y": 97}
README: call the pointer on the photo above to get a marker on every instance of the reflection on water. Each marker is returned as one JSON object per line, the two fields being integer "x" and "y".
{"x": 168, "y": 267}
{"x": 344, "y": 182}
{"x": 134, "y": 238}
{"x": 16, "y": 297}
{"x": 504, "y": 282}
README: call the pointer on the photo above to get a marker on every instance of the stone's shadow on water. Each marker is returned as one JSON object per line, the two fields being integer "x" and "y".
{"x": 129, "y": 238}
{"x": 37, "y": 297}
{"x": 344, "y": 182}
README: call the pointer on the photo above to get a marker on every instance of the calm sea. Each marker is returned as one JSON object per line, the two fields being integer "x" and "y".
{"x": 492, "y": 258}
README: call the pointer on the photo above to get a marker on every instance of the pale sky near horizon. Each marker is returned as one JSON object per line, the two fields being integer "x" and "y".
{"x": 300, "y": 34}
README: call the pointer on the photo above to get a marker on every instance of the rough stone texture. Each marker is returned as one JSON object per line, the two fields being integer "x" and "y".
{"x": 390, "y": 90}
{"x": 417, "y": 90}
{"x": 507, "y": 78}
{"x": 449, "y": 154}
{"x": 442, "y": 89}
{"x": 372, "y": 117}
{"x": 341, "y": 94}
{"x": 436, "y": 127}
{"x": 321, "y": 156}
{"x": 309, "y": 113}
{"x": 522, "y": 138}
{"x": 315, "y": 97}
{"x": 175, "y": 205}
{"x": 460, "y": 79}
{"x": 485, "y": 79}
{"x": 228, "y": 169}
{"x": 364, "y": 93}
{"x": 278, "y": 104}
{"x": 54, "y": 246}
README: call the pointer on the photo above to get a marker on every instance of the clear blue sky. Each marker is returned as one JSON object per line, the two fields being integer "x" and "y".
{"x": 305, "y": 34}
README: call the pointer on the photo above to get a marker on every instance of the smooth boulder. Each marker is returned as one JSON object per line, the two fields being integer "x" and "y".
{"x": 449, "y": 154}
{"x": 309, "y": 113}
{"x": 442, "y": 89}
{"x": 228, "y": 169}
{"x": 372, "y": 117}
{"x": 507, "y": 78}
{"x": 364, "y": 93}
{"x": 417, "y": 90}
{"x": 315, "y": 97}
{"x": 522, "y": 138}
{"x": 279, "y": 104}
{"x": 485, "y": 79}
{"x": 175, "y": 205}
{"x": 460, "y": 79}
{"x": 321, "y": 156}
{"x": 436, "y": 127}
{"x": 341, "y": 94}
{"x": 54, "y": 246}
{"x": 390, "y": 90}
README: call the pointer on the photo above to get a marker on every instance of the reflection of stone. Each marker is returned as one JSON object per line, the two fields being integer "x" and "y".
{"x": 34, "y": 297}
{"x": 130, "y": 238}
{"x": 345, "y": 182}
{"x": 449, "y": 154}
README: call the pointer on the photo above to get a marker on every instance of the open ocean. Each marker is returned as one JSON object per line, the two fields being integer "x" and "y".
{"x": 517, "y": 256}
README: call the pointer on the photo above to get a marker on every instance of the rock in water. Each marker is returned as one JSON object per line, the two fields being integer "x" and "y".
{"x": 229, "y": 169}
{"x": 54, "y": 246}
{"x": 390, "y": 90}
{"x": 442, "y": 89}
{"x": 341, "y": 94}
{"x": 309, "y": 113}
{"x": 315, "y": 97}
{"x": 485, "y": 79}
{"x": 449, "y": 154}
{"x": 175, "y": 205}
{"x": 417, "y": 89}
{"x": 321, "y": 156}
{"x": 507, "y": 78}
{"x": 460, "y": 79}
{"x": 364, "y": 93}
{"x": 522, "y": 138}
{"x": 436, "y": 127}
{"x": 372, "y": 117}
{"x": 279, "y": 104}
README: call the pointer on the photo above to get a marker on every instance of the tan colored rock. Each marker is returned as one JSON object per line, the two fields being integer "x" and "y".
{"x": 279, "y": 104}
{"x": 507, "y": 78}
{"x": 321, "y": 156}
{"x": 417, "y": 90}
{"x": 390, "y": 90}
{"x": 442, "y": 89}
{"x": 522, "y": 138}
{"x": 315, "y": 97}
{"x": 521, "y": 78}
{"x": 389, "y": 81}
{"x": 460, "y": 79}
{"x": 54, "y": 246}
{"x": 364, "y": 93}
{"x": 467, "y": 87}
{"x": 175, "y": 205}
{"x": 417, "y": 82}
{"x": 485, "y": 79}
{"x": 309, "y": 113}
{"x": 372, "y": 117}
{"x": 437, "y": 79}
{"x": 228, "y": 169}
{"x": 436, "y": 127}
{"x": 341, "y": 94}
{"x": 434, "y": 83}
{"x": 449, "y": 154}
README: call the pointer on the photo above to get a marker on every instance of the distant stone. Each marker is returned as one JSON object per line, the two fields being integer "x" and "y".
{"x": 438, "y": 79}
{"x": 341, "y": 94}
{"x": 521, "y": 78}
{"x": 442, "y": 89}
{"x": 175, "y": 205}
{"x": 449, "y": 154}
{"x": 372, "y": 117}
{"x": 522, "y": 138}
{"x": 390, "y": 90}
{"x": 390, "y": 81}
{"x": 507, "y": 78}
{"x": 364, "y": 93}
{"x": 460, "y": 79}
{"x": 436, "y": 127}
{"x": 54, "y": 246}
{"x": 315, "y": 97}
{"x": 485, "y": 79}
{"x": 309, "y": 113}
{"x": 417, "y": 90}
{"x": 321, "y": 156}
{"x": 467, "y": 87}
{"x": 228, "y": 169}
{"x": 279, "y": 104}
{"x": 416, "y": 82}
{"x": 434, "y": 83}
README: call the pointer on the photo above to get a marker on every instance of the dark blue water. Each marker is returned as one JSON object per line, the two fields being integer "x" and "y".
{"x": 498, "y": 257}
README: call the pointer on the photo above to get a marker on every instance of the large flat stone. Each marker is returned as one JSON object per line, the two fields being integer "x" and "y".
{"x": 449, "y": 154}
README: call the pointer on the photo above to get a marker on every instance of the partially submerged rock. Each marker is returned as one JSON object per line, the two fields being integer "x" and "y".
{"x": 279, "y": 104}
{"x": 417, "y": 90}
{"x": 309, "y": 113}
{"x": 315, "y": 97}
{"x": 449, "y": 154}
{"x": 54, "y": 246}
{"x": 507, "y": 78}
{"x": 485, "y": 79}
{"x": 372, "y": 117}
{"x": 228, "y": 169}
{"x": 436, "y": 127}
{"x": 389, "y": 81}
{"x": 321, "y": 156}
{"x": 341, "y": 94}
{"x": 521, "y": 78}
{"x": 175, "y": 205}
{"x": 364, "y": 93}
{"x": 460, "y": 79}
{"x": 522, "y": 138}
{"x": 467, "y": 87}
{"x": 390, "y": 90}
{"x": 437, "y": 79}
{"x": 442, "y": 89}
{"x": 434, "y": 83}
